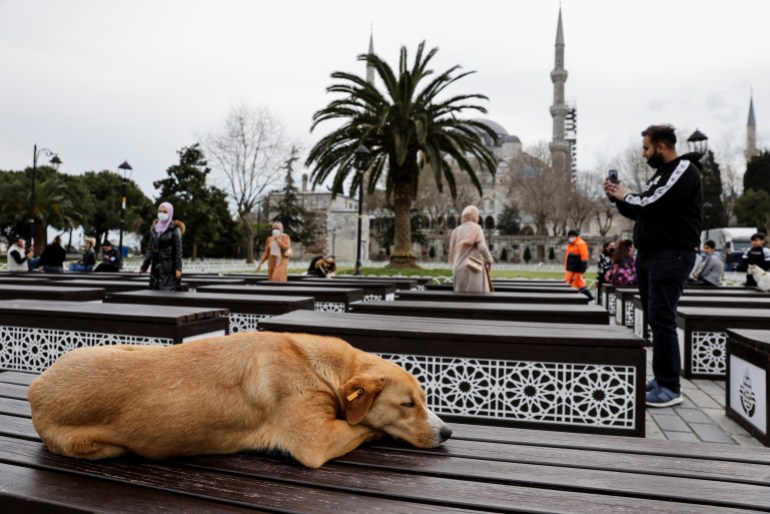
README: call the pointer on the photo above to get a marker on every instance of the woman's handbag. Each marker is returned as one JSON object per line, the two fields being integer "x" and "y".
{"x": 289, "y": 252}
{"x": 474, "y": 263}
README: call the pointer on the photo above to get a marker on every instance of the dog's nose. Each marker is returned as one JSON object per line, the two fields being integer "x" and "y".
{"x": 445, "y": 433}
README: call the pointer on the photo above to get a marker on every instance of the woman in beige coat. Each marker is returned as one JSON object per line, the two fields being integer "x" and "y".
{"x": 468, "y": 241}
{"x": 277, "y": 253}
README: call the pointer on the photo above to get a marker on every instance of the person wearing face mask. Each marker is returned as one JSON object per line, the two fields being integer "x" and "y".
{"x": 576, "y": 263}
{"x": 164, "y": 252}
{"x": 277, "y": 253}
{"x": 668, "y": 215}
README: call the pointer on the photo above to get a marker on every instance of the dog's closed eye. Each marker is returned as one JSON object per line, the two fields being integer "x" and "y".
{"x": 408, "y": 404}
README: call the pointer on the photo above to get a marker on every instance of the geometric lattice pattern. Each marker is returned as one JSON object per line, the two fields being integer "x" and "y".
{"x": 638, "y": 323}
{"x": 373, "y": 297}
{"x": 611, "y": 303}
{"x": 243, "y": 322}
{"x": 629, "y": 314}
{"x": 541, "y": 392}
{"x": 35, "y": 349}
{"x": 329, "y": 307}
{"x": 708, "y": 353}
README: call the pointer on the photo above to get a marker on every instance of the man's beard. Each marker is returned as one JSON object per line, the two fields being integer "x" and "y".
{"x": 656, "y": 161}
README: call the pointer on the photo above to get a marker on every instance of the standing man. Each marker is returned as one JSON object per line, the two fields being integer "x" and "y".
{"x": 669, "y": 215}
{"x": 576, "y": 263}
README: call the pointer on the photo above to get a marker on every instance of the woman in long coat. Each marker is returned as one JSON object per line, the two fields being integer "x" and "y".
{"x": 277, "y": 253}
{"x": 468, "y": 243}
{"x": 164, "y": 253}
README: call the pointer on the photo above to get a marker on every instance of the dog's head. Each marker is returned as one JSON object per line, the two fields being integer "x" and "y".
{"x": 390, "y": 399}
{"x": 756, "y": 271}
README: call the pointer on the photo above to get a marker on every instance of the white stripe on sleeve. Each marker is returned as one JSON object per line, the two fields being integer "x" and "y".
{"x": 639, "y": 201}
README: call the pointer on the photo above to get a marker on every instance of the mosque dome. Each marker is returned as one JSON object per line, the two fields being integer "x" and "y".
{"x": 502, "y": 135}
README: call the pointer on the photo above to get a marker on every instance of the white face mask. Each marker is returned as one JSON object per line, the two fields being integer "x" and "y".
{"x": 276, "y": 232}
{"x": 571, "y": 239}
{"x": 163, "y": 216}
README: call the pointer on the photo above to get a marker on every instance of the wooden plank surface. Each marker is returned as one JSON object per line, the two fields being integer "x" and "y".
{"x": 48, "y": 292}
{"x": 342, "y": 295}
{"x": 449, "y": 329}
{"x": 264, "y": 304}
{"x": 546, "y": 313}
{"x": 496, "y": 297}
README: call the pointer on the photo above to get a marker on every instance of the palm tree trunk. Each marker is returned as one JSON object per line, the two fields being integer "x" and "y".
{"x": 402, "y": 256}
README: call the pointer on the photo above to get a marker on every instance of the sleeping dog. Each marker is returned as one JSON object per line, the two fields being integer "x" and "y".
{"x": 313, "y": 397}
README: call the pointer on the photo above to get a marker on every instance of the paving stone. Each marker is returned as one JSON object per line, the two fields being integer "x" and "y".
{"x": 670, "y": 423}
{"x": 702, "y": 400}
{"x": 682, "y": 436}
{"x": 692, "y": 415}
{"x": 719, "y": 417}
{"x": 710, "y": 433}
{"x": 747, "y": 440}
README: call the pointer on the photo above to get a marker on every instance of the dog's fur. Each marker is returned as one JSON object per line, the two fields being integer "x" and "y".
{"x": 314, "y": 397}
{"x": 761, "y": 277}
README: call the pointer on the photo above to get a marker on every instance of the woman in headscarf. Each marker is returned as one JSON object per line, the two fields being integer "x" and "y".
{"x": 164, "y": 253}
{"x": 277, "y": 253}
{"x": 468, "y": 254}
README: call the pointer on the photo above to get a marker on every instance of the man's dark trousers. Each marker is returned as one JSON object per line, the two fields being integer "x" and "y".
{"x": 661, "y": 275}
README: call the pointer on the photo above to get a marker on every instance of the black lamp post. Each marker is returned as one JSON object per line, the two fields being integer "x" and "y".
{"x": 698, "y": 142}
{"x": 361, "y": 156}
{"x": 55, "y": 161}
{"x": 125, "y": 168}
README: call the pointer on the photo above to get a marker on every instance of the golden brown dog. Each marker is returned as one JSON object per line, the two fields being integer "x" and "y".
{"x": 314, "y": 397}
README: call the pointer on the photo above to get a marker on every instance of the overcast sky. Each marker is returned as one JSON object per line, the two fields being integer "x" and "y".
{"x": 100, "y": 81}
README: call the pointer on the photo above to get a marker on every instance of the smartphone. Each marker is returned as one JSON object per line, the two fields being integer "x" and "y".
{"x": 612, "y": 176}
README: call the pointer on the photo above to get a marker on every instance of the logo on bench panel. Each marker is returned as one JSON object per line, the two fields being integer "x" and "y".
{"x": 746, "y": 393}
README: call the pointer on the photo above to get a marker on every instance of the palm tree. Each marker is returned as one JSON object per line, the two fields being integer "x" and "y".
{"x": 405, "y": 129}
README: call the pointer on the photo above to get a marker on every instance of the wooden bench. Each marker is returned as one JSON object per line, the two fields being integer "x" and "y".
{"x": 480, "y": 469}
{"x": 108, "y": 285}
{"x": 748, "y": 387}
{"x": 245, "y": 310}
{"x": 48, "y": 292}
{"x": 563, "y": 377}
{"x": 541, "y": 313}
{"x": 34, "y": 333}
{"x": 327, "y": 299}
{"x": 373, "y": 290}
{"x": 702, "y": 335}
{"x": 516, "y": 288}
{"x": 402, "y": 284}
{"x": 496, "y": 297}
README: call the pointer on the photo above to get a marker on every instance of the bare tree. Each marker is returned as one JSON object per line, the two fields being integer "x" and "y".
{"x": 732, "y": 176}
{"x": 587, "y": 194}
{"x": 248, "y": 151}
{"x": 541, "y": 191}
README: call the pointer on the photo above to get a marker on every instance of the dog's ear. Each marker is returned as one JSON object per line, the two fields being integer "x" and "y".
{"x": 358, "y": 394}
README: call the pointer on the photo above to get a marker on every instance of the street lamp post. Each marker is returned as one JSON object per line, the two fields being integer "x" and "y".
{"x": 361, "y": 155}
{"x": 698, "y": 142}
{"x": 125, "y": 168}
{"x": 55, "y": 161}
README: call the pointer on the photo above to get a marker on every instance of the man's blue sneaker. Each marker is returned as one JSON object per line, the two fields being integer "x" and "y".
{"x": 651, "y": 386}
{"x": 663, "y": 397}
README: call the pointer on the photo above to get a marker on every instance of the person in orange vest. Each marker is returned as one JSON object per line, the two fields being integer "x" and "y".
{"x": 576, "y": 263}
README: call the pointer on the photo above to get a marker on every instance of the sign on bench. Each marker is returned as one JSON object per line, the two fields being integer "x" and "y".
{"x": 748, "y": 387}
{"x": 34, "y": 333}
{"x": 575, "y": 377}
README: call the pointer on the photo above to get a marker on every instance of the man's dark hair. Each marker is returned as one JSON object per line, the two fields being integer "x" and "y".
{"x": 758, "y": 235}
{"x": 710, "y": 243}
{"x": 661, "y": 134}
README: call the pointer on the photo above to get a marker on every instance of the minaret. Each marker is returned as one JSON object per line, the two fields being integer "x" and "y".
{"x": 751, "y": 132}
{"x": 369, "y": 67}
{"x": 560, "y": 147}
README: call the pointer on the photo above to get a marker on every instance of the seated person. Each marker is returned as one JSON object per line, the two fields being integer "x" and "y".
{"x": 19, "y": 259}
{"x": 110, "y": 258}
{"x": 324, "y": 268}
{"x": 53, "y": 257}
{"x": 758, "y": 255}
{"x": 87, "y": 262}
{"x": 711, "y": 268}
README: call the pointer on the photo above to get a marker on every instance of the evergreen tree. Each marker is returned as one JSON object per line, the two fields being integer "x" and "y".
{"x": 757, "y": 176}
{"x": 527, "y": 255}
{"x": 297, "y": 221}
{"x": 753, "y": 210}
{"x": 508, "y": 222}
{"x": 713, "y": 208}
{"x": 203, "y": 209}
{"x": 504, "y": 254}
{"x": 551, "y": 254}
